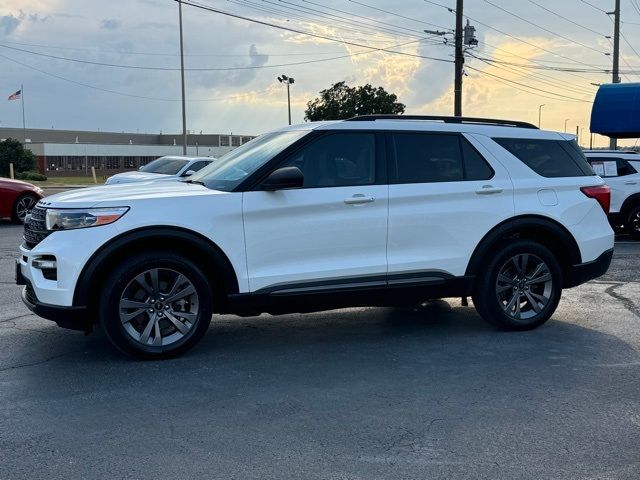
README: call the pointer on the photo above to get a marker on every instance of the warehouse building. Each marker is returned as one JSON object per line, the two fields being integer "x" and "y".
{"x": 67, "y": 153}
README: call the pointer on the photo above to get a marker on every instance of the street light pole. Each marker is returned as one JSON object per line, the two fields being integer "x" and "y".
{"x": 287, "y": 81}
{"x": 540, "y": 114}
{"x": 184, "y": 108}
{"x": 565, "y": 124}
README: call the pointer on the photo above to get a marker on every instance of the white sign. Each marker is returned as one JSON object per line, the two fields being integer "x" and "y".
{"x": 598, "y": 168}
{"x": 610, "y": 169}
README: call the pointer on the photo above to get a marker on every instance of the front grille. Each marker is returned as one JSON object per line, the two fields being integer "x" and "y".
{"x": 35, "y": 228}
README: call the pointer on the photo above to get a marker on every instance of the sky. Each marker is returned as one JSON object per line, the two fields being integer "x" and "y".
{"x": 530, "y": 52}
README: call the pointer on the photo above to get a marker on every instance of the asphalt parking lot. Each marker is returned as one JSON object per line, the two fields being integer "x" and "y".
{"x": 379, "y": 393}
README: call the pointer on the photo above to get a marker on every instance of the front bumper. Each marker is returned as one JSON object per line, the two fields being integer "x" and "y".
{"x": 74, "y": 318}
{"x": 584, "y": 272}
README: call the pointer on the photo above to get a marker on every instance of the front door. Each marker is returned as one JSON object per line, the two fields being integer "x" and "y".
{"x": 332, "y": 232}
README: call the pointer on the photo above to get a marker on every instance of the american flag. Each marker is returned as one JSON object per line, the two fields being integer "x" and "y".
{"x": 15, "y": 96}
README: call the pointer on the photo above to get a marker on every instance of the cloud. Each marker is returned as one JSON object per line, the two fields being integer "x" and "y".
{"x": 8, "y": 24}
{"x": 110, "y": 24}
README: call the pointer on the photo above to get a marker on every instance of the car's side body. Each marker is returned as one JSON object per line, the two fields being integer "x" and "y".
{"x": 382, "y": 241}
{"x": 622, "y": 174}
{"x": 11, "y": 191}
{"x": 190, "y": 165}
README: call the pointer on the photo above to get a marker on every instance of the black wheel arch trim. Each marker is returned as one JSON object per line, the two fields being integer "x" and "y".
{"x": 513, "y": 226}
{"x": 628, "y": 205}
{"x": 82, "y": 293}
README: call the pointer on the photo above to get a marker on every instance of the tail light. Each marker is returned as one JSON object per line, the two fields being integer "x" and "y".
{"x": 602, "y": 193}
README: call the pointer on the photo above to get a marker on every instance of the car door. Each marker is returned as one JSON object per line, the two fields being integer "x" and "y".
{"x": 332, "y": 232}
{"x": 622, "y": 178}
{"x": 444, "y": 196}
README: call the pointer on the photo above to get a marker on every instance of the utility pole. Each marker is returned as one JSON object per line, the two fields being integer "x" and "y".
{"x": 459, "y": 61}
{"x": 565, "y": 124}
{"x": 613, "y": 143}
{"x": 184, "y": 108}
{"x": 287, "y": 81}
{"x": 540, "y": 114}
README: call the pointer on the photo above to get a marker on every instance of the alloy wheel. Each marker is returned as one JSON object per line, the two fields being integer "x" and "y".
{"x": 524, "y": 286}
{"x": 159, "y": 307}
{"x": 635, "y": 221}
{"x": 24, "y": 206}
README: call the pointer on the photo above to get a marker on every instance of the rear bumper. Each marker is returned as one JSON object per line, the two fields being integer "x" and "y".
{"x": 74, "y": 318}
{"x": 584, "y": 272}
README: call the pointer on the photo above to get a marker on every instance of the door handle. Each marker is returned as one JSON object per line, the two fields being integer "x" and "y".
{"x": 630, "y": 183}
{"x": 358, "y": 199}
{"x": 488, "y": 190}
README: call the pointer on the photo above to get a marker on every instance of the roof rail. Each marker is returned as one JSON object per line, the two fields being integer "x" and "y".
{"x": 445, "y": 119}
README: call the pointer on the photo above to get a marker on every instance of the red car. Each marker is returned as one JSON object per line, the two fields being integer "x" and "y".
{"x": 17, "y": 198}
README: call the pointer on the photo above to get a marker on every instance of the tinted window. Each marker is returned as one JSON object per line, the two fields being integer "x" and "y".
{"x": 164, "y": 165}
{"x": 426, "y": 158}
{"x": 336, "y": 160}
{"x": 622, "y": 166}
{"x": 475, "y": 167}
{"x": 549, "y": 158}
{"x": 199, "y": 165}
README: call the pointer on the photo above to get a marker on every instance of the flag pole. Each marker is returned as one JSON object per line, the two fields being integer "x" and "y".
{"x": 24, "y": 128}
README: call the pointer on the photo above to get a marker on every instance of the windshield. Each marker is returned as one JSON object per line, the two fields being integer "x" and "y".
{"x": 165, "y": 165}
{"x": 231, "y": 169}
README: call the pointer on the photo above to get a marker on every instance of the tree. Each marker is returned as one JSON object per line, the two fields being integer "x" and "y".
{"x": 12, "y": 151}
{"x": 341, "y": 101}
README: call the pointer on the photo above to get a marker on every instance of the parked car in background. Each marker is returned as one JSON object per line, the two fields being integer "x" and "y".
{"x": 621, "y": 171}
{"x": 372, "y": 211}
{"x": 17, "y": 198}
{"x": 163, "y": 168}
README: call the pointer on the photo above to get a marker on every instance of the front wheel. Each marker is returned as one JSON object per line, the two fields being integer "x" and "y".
{"x": 155, "y": 305}
{"x": 22, "y": 206}
{"x": 520, "y": 288}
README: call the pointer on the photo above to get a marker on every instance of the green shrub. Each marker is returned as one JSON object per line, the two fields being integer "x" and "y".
{"x": 31, "y": 176}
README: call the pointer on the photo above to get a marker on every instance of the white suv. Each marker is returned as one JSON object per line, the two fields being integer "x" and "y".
{"x": 621, "y": 171}
{"x": 375, "y": 210}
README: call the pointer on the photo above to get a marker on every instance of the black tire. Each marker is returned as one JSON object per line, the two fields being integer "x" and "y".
{"x": 122, "y": 281}
{"x": 17, "y": 215}
{"x": 492, "y": 296}
{"x": 632, "y": 225}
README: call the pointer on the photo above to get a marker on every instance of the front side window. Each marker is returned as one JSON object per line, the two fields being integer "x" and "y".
{"x": 197, "y": 166}
{"x": 548, "y": 158}
{"x": 336, "y": 160}
{"x": 230, "y": 170}
{"x": 165, "y": 166}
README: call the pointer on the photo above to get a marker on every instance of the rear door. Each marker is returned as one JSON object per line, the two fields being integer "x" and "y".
{"x": 332, "y": 232}
{"x": 444, "y": 196}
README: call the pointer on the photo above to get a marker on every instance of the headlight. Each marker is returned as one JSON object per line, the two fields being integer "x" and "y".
{"x": 66, "y": 219}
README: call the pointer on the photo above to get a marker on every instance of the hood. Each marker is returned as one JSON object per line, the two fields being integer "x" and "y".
{"x": 128, "y": 177}
{"x": 15, "y": 183}
{"x": 124, "y": 195}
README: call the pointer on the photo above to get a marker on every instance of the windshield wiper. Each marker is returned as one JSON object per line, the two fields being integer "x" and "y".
{"x": 195, "y": 182}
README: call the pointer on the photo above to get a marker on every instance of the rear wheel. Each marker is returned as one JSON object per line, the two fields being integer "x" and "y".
{"x": 156, "y": 305}
{"x": 633, "y": 223}
{"x": 22, "y": 206}
{"x": 521, "y": 287}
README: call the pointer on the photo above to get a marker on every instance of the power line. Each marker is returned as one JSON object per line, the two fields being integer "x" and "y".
{"x": 594, "y": 6}
{"x": 567, "y": 19}
{"x": 398, "y": 15}
{"x": 310, "y": 34}
{"x": 557, "y": 95}
{"x": 511, "y": 36}
{"x": 544, "y": 28}
{"x": 124, "y": 94}
{"x": 208, "y": 69}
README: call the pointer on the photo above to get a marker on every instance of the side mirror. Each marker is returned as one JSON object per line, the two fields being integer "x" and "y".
{"x": 188, "y": 173}
{"x": 283, "y": 178}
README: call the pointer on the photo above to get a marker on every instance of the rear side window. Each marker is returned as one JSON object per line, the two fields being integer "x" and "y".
{"x": 622, "y": 167}
{"x": 432, "y": 157}
{"x": 548, "y": 158}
